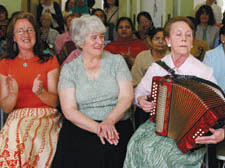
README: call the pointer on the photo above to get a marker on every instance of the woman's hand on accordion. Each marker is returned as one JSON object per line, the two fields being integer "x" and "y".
{"x": 216, "y": 137}
{"x": 146, "y": 105}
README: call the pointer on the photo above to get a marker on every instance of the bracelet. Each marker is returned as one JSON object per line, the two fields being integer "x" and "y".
{"x": 41, "y": 92}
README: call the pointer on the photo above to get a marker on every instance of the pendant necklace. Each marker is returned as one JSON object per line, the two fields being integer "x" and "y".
{"x": 25, "y": 64}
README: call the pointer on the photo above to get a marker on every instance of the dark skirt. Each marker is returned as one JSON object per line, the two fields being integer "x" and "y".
{"x": 78, "y": 148}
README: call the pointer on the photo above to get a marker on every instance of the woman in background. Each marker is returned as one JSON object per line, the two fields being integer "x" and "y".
{"x": 126, "y": 45}
{"x": 54, "y": 9}
{"x": 28, "y": 93}
{"x": 68, "y": 8}
{"x": 206, "y": 29}
{"x": 111, "y": 8}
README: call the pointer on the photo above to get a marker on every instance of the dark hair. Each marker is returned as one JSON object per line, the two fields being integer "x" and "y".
{"x": 72, "y": 15}
{"x": 208, "y": 10}
{"x": 66, "y": 5}
{"x": 173, "y": 20}
{"x": 91, "y": 3}
{"x": 222, "y": 31}
{"x": 223, "y": 21}
{"x": 38, "y": 49}
{"x": 153, "y": 32}
{"x": 122, "y": 19}
{"x": 107, "y": 6}
{"x": 145, "y": 14}
{"x": 98, "y": 9}
{"x": 4, "y": 10}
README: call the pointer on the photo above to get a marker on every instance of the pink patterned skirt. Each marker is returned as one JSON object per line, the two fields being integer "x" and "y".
{"x": 29, "y": 138}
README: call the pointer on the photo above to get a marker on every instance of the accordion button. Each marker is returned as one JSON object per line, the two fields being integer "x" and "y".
{"x": 193, "y": 137}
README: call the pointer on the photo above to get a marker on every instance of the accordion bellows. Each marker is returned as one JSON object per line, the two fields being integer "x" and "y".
{"x": 185, "y": 109}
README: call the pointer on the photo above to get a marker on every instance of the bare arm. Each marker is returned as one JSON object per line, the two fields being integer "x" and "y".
{"x": 69, "y": 108}
{"x": 125, "y": 99}
{"x": 49, "y": 96}
{"x": 8, "y": 93}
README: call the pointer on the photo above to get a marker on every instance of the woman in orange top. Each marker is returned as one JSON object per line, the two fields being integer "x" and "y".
{"x": 28, "y": 92}
{"x": 126, "y": 45}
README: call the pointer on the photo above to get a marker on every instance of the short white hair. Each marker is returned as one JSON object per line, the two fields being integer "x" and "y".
{"x": 83, "y": 26}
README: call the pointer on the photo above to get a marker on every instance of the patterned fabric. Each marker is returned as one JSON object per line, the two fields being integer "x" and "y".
{"x": 148, "y": 150}
{"x": 29, "y": 137}
{"x": 102, "y": 92}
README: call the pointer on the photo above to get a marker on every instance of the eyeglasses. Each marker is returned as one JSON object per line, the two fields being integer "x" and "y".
{"x": 21, "y": 31}
{"x": 158, "y": 38}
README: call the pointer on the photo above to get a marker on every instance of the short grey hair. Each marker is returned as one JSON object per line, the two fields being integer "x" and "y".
{"x": 83, "y": 26}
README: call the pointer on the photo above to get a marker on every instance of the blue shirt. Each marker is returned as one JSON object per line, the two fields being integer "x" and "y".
{"x": 216, "y": 58}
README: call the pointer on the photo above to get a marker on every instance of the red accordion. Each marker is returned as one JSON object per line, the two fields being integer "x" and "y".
{"x": 185, "y": 109}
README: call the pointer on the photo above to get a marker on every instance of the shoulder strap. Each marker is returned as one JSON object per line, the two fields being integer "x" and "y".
{"x": 113, "y": 15}
{"x": 166, "y": 67}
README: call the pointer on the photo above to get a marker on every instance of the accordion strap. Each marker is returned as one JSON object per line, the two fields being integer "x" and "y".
{"x": 166, "y": 67}
{"x": 190, "y": 77}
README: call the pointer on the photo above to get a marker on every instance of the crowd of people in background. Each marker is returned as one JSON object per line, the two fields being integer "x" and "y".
{"x": 68, "y": 79}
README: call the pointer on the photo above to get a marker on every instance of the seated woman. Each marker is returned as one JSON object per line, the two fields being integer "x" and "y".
{"x": 28, "y": 93}
{"x": 206, "y": 29}
{"x": 54, "y": 9}
{"x": 68, "y": 8}
{"x": 48, "y": 35}
{"x": 146, "y": 148}
{"x": 126, "y": 45}
{"x": 145, "y": 25}
{"x": 96, "y": 92}
{"x": 110, "y": 34}
{"x": 142, "y": 62}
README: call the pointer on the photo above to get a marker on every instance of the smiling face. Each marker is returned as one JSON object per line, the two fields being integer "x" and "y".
{"x": 180, "y": 38}
{"x": 24, "y": 34}
{"x": 124, "y": 30}
{"x": 94, "y": 44}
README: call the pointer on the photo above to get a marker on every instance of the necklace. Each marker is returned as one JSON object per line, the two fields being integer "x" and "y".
{"x": 25, "y": 64}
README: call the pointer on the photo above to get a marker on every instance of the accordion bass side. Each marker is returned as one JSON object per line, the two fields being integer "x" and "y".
{"x": 185, "y": 109}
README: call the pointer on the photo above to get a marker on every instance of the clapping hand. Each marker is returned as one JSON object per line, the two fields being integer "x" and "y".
{"x": 37, "y": 85}
{"x": 12, "y": 85}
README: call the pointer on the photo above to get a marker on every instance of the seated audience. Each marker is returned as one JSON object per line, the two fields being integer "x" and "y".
{"x": 62, "y": 38}
{"x": 96, "y": 92}
{"x": 199, "y": 47}
{"x": 145, "y": 25}
{"x": 48, "y": 35}
{"x": 126, "y": 45}
{"x": 68, "y": 8}
{"x": 54, "y": 9}
{"x": 81, "y": 6}
{"x": 111, "y": 8}
{"x": 206, "y": 29}
{"x": 148, "y": 149}
{"x": 216, "y": 9}
{"x": 110, "y": 34}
